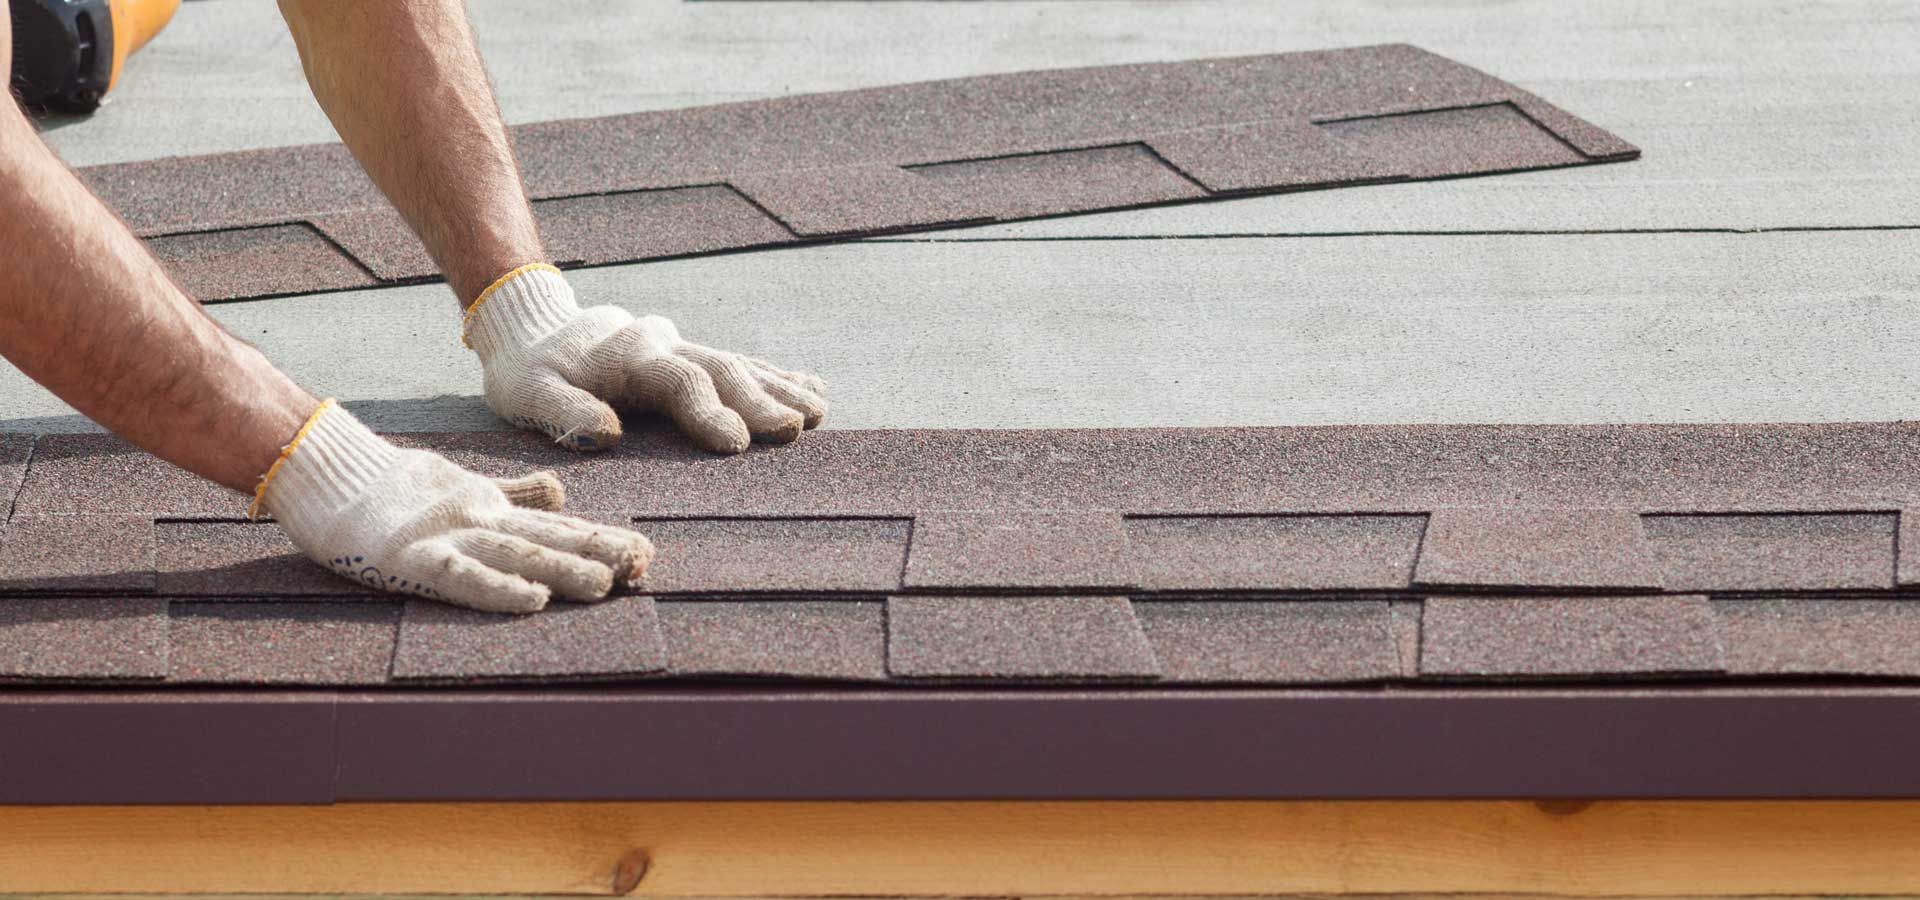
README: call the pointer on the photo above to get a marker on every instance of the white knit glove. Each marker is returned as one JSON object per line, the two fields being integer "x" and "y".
{"x": 411, "y": 522}
{"x": 551, "y": 366}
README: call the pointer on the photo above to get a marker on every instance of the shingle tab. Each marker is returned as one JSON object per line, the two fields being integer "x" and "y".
{"x": 1048, "y": 638}
{"x": 1783, "y": 552}
{"x": 257, "y": 262}
{"x": 566, "y": 640}
{"x": 1276, "y": 153}
{"x": 86, "y": 553}
{"x": 246, "y": 559}
{"x": 1019, "y": 549}
{"x": 774, "y": 555}
{"x": 1465, "y": 141}
{"x": 100, "y": 473}
{"x": 823, "y": 639}
{"x": 1046, "y": 184}
{"x": 1274, "y": 553}
{"x": 1569, "y": 636}
{"x": 608, "y": 228}
{"x": 1263, "y": 642}
{"x": 845, "y": 200}
{"x": 282, "y": 643}
{"x": 83, "y": 638}
{"x": 1518, "y": 547}
{"x": 1788, "y": 636}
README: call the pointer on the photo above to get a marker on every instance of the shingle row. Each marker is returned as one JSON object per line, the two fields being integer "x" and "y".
{"x": 1607, "y": 552}
{"x": 827, "y": 166}
{"x": 960, "y": 639}
{"x": 1168, "y": 555}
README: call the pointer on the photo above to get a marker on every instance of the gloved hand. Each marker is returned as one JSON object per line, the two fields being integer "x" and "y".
{"x": 411, "y": 522}
{"x": 551, "y": 366}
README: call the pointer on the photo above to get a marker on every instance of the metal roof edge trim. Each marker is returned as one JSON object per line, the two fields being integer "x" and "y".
{"x": 581, "y": 744}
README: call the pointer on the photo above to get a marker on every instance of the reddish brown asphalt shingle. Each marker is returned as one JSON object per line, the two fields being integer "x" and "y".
{"x": 282, "y": 643}
{"x": 1067, "y": 550}
{"x": 1050, "y": 184}
{"x": 822, "y": 639}
{"x": 258, "y": 262}
{"x": 990, "y": 148}
{"x": 1569, "y": 636}
{"x": 762, "y": 555}
{"x": 1517, "y": 547}
{"x": 1269, "y": 155}
{"x": 248, "y": 559}
{"x": 1778, "y": 636}
{"x": 83, "y": 638}
{"x": 567, "y": 640}
{"x": 1272, "y": 643}
{"x": 1296, "y": 553}
{"x": 100, "y": 473}
{"x": 1493, "y": 138}
{"x": 90, "y": 553}
{"x": 1255, "y": 516}
{"x": 1037, "y": 638}
{"x": 1833, "y": 552}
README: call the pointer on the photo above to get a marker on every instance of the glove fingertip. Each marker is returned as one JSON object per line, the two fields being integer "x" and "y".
{"x": 539, "y": 490}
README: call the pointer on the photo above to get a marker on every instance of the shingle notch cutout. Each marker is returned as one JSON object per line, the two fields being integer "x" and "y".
{"x": 968, "y": 150}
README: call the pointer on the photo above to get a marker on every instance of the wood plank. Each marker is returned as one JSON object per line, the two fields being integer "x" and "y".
{"x": 1001, "y": 849}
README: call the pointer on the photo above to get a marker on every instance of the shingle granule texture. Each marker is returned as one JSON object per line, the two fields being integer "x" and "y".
{"x": 100, "y": 473}
{"x": 246, "y": 559}
{"x": 91, "y": 553}
{"x": 1778, "y": 636}
{"x": 785, "y": 555}
{"x": 1569, "y": 636}
{"x": 83, "y": 638}
{"x": 14, "y": 449}
{"x": 1536, "y": 548}
{"x": 1264, "y": 642}
{"x": 258, "y": 262}
{"x": 821, "y": 166}
{"x": 1042, "y": 638}
{"x": 282, "y": 643}
{"x": 566, "y": 640}
{"x": 819, "y": 639}
{"x": 1050, "y": 184}
{"x": 1018, "y": 550}
{"x": 1311, "y": 552}
{"x": 1234, "y": 556}
{"x": 1783, "y": 552}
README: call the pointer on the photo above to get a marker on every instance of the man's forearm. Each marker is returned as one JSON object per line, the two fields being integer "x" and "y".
{"x": 404, "y": 86}
{"x": 86, "y": 311}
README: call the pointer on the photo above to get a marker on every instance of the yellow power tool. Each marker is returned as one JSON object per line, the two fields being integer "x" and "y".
{"x": 67, "y": 54}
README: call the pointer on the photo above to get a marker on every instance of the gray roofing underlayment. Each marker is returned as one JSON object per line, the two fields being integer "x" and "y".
{"x": 1365, "y": 611}
{"x": 817, "y": 167}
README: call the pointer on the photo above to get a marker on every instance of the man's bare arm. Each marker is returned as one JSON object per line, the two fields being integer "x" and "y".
{"x": 404, "y": 85}
{"x": 405, "y": 88}
{"x": 86, "y": 311}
